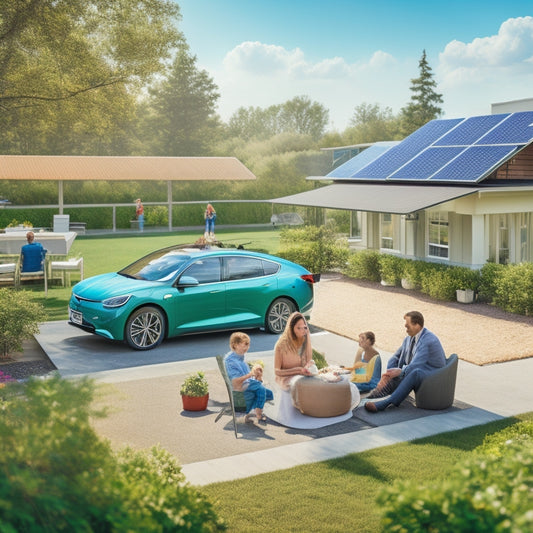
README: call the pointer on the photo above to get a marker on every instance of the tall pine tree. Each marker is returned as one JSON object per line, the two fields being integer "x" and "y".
{"x": 423, "y": 106}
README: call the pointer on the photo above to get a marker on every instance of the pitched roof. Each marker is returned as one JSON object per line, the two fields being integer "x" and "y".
{"x": 38, "y": 167}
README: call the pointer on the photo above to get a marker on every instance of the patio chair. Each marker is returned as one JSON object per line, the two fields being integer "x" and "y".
{"x": 40, "y": 274}
{"x": 438, "y": 389}
{"x": 236, "y": 398}
{"x": 9, "y": 265}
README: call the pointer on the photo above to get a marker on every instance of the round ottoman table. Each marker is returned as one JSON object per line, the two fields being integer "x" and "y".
{"x": 313, "y": 396}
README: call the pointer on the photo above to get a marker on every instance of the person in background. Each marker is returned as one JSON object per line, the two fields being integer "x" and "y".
{"x": 293, "y": 354}
{"x": 32, "y": 254}
{"x": 420, "y": 354}
{"x": 139, "y": 213}
{"x": 210, "y": 216}
{"x": 250, "y": 381}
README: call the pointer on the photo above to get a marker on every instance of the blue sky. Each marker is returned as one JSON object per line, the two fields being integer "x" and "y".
{"x": 343, "y": 53}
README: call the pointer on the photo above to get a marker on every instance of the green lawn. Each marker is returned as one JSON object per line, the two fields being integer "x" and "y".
{"x": 339, "y": 495}
{"x": 108, "y": 253}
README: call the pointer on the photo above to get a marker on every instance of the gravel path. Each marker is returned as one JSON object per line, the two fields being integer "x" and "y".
{"x": 478, "y": 333}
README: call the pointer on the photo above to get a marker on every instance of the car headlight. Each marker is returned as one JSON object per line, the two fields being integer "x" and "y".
{"x": 116, "y": 301}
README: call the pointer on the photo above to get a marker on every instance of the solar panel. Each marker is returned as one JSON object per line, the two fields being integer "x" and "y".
{"x": 427, "y": 163}
{"x": 470, "y": 130}
{"x": 454, "y": 150}
{"x": 401, "y": 154}
{"x": 516, "y": 129}
{"x": 348, "y": 169}
{"x": 474, "y": 163}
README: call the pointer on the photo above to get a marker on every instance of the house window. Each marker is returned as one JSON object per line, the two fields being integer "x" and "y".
{"x": 356, "y": 231}
{"x": 438, "y": 244}
{"x": 389, "y": 231}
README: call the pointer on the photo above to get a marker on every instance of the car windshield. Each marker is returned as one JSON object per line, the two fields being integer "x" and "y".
{"x": 159, "y": 266}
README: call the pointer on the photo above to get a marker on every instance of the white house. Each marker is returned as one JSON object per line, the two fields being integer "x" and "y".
{"x": 457, "y": 190}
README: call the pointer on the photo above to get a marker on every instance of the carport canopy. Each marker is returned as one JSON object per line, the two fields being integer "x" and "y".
{"x": 377, "y": 198}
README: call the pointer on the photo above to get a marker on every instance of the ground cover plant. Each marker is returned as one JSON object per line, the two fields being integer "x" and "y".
{"x": 57, "y": 474}
{"x": 341, "y": 494}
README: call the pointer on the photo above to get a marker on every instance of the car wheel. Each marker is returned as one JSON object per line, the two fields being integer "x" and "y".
{"x": 277, "y": 315}
{"x": 145, "y": 328}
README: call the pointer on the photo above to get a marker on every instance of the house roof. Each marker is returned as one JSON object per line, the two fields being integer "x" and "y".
{"x": 68, "y": 168}
{"x": 454, "y": 151}
{"x": 379, "y": 198}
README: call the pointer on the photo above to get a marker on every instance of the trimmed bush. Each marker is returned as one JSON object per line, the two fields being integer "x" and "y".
{"x": 391, "y": 268}
{"x": 514, "y": 289}
{"x": 316, "y": 248}
{"x": 438, "y": 282}
{"x": 490, "y": 276}
{"x": 364, "y": 265}
{"x": 485, "y": 493}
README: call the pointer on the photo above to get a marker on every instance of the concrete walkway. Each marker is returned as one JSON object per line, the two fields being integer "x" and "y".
{"x": 490, "y": 392}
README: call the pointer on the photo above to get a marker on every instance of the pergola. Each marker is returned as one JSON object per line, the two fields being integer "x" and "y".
{"x": 121, "y": 168}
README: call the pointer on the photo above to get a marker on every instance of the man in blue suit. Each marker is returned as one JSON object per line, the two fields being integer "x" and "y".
{"x": 420, "y": 354}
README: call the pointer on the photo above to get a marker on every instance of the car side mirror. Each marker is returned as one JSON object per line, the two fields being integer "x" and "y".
{"x": 187, "y": 281}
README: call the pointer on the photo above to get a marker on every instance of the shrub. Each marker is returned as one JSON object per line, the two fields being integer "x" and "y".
{"x": 156, "y": 215}
{"x": 19, "y": 319}
{"x": 485, "y": 493}
{"x": 411, "y": 271}
{"x": 364, "y": 265}
{"x": 317, "y": 249}
{"x": 497, "y": 443}
{"x": 490, "y": 276}
{"x": 391, "y": 268}
{"x": 57, "y": 474}
{"x": 438, "y": 282}
{"x": 514, "y": 289}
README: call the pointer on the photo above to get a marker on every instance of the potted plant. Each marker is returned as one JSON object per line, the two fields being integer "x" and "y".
{"x": 195, "y": 392}
{"x": 469, "y": 283}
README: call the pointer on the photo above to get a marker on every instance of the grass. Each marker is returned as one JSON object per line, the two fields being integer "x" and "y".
{"x": 339, "y": 495}
{"x": 109, "y": 253}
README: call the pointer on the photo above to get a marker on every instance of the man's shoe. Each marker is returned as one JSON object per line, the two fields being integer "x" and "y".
{"x": 371, "y": 407}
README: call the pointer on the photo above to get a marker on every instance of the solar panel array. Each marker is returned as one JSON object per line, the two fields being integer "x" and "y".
{"x": 450, "y": 150}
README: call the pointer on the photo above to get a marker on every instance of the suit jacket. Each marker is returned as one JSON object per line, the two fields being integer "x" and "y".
{"x": 428, "y": 354}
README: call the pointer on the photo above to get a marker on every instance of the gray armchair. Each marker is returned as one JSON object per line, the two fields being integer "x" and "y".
{"x": 438, "y": 389}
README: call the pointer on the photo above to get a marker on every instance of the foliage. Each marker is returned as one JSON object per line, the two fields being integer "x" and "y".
{"x": 57, "y": 474}
{"x": 19, "y": 319}
{"x": 391, "y": 268}
{"x": 496, "y": 444}
{"x": 411, "y": 271}
{"x": 70, "y": 70}
{"x": 484, "y": 493}
{"x": 195, "y": 385}
{"x": 370, "y": 123}
{"x": 438, "y": 281}
{"x": 156, "y": 215}
{"x": 490, "y": 276}
{"x": 364, "y": 264}
{"x": 316, "y": 248}
{"x": 423, "y": 106}
{"x": 299, "y": 115}
{"x": 514, "y": 290}
{"x": 180, "y": 115}
{"x": 320, "y": 359}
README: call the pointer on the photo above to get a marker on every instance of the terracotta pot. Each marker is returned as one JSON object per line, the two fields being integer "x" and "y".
{"x": 195, "y": 403}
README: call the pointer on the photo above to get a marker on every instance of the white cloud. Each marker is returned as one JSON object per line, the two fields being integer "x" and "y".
{"x": 258, "y": 74}
{"x": 488, "y": 69}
